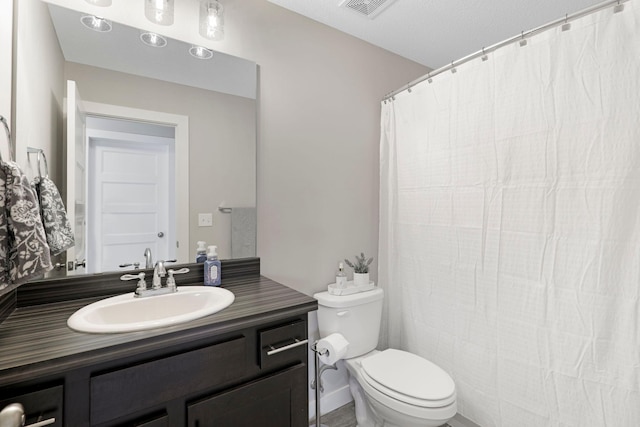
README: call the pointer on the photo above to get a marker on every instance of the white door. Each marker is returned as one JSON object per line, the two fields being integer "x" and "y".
{"x": 76, "y": 176}
{"x": 129, "y": 192}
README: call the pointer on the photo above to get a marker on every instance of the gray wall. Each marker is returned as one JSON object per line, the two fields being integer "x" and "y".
{"x": 6, "y": 29}
{"x": 39, "y": 86}
{"x": 319, "y": 106}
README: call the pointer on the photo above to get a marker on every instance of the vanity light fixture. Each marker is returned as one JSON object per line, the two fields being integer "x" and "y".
{"x": 102, "y": 3}
{"x": 152, "y": 39}
{"x": 159, "y": 11}
{"x": 211, "y": 19}
{"x": 96, "y": 23}
{"x": 200, "y": 52}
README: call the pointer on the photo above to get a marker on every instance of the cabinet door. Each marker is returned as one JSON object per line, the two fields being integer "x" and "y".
{"x": 279, "y": 400}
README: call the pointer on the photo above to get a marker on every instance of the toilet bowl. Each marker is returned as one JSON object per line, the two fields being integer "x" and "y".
{"x": 391, "y": 388}
{"x": 400, "y": 389}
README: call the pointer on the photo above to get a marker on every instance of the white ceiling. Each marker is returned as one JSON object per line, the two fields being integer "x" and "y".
{"x": 436, "y": 32}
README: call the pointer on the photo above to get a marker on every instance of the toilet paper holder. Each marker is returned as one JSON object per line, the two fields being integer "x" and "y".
{"x": 316, "y": 383}
{"x": 318, "y": 379}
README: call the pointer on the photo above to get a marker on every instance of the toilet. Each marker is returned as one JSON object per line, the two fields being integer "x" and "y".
{"x": 391, "y": 388}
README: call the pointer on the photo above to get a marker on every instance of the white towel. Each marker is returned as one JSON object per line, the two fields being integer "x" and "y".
{"x": 243, "y": 232}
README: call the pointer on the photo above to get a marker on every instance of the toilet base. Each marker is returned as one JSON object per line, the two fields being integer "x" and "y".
{"x": 364, "y": 415}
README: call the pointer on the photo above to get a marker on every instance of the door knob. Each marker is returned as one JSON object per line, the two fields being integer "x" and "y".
{"x": 161, "y": 234}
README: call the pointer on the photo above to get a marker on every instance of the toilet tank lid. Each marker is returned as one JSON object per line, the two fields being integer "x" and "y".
{"x": 340, "y": 301}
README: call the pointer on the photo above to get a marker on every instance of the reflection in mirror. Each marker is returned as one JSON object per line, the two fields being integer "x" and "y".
{"x": 126, "y": 86}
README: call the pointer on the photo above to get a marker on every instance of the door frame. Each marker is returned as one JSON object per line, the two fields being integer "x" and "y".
{"x": 181, "y": 124}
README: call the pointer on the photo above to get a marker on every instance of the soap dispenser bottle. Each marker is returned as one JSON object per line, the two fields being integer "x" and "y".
{"x": 341, "y": 277}
{"x": 201, "y": 252}
{"x": 212, "y": 268}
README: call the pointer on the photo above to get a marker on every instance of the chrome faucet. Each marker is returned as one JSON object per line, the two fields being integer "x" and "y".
{"x": 148, "y": 259}
{"x": 158, "y": 273}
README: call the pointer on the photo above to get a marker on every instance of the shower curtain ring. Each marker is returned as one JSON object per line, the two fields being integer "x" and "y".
{"x": 566, "y": 26}
{"x": 618, "y": 8}
{"x": 484, "y": 55}
{"x": 453, "y": 68}
{"x": 523, "y": 42}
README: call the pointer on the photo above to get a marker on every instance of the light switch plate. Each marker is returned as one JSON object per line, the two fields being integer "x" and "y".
{"x": 205, "y": 220}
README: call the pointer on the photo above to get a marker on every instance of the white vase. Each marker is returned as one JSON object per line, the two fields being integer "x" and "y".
{"x": 360, "y": 279}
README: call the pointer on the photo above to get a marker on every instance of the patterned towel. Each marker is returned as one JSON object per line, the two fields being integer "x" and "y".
{"x": 22, "y": 237}
{"x": 54, "y": 216}
{"x": 4, "y": 233}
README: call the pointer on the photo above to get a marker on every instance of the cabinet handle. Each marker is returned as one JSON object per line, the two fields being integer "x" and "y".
{"x": 298, "y": 343}
{"x": 42, "y": 423}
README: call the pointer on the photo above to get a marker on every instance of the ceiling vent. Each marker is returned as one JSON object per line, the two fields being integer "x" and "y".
{"x": 367, "y": 8}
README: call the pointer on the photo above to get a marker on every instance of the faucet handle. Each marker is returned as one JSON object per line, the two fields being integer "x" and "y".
{"x": 171, "y": 281}
{"x": 135, "y": 265}
{"x": 142, "y": 285}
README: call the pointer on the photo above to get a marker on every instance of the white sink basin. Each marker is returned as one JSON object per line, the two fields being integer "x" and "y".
{"x": 125, "y": 313}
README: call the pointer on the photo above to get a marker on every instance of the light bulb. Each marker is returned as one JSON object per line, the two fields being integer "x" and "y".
{"x": 152, "y": 39}
{"x": 96, "y": 23}
{"x": 159, "y": 11}
{"x": 200, "y": 52}
{"x": 211, "y": 19}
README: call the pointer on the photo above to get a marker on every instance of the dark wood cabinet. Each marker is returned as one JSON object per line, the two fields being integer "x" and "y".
{"x": 278, "y": 400}
{"x": 250, "y": 376}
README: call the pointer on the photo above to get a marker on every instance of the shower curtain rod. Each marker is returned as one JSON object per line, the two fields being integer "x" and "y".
{"x": 508, "y": 41}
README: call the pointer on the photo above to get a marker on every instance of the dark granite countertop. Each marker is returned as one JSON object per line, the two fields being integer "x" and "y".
{"x": 35, "y": 340}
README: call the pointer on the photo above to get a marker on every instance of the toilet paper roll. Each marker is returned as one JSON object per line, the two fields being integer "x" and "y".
{"x": 332, "y": 348}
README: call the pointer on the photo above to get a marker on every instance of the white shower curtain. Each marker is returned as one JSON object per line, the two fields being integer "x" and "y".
{"x": 510, "y": 226}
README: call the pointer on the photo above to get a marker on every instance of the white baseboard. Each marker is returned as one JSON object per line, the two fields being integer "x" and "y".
{"x": 460, "y": 421}
{"x": 331, "y": 401}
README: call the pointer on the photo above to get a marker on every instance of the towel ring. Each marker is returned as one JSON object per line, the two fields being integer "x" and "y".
{"x": 46, "y": 165}
{"x": 40, "y": 156}
{"x": 9, "y": 140}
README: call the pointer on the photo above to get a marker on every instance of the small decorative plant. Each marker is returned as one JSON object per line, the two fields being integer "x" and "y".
{"x": 361, "y": 265}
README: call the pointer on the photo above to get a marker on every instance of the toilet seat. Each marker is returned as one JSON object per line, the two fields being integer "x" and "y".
{"x": 408, "y": 378}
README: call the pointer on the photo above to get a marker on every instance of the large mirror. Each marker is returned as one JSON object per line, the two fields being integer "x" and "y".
{"x": 164, "y": 153}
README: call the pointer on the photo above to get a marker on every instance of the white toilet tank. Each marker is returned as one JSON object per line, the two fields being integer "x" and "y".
{"x": 357, "y": 317}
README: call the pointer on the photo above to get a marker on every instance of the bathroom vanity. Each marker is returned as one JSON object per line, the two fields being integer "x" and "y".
{"x": 243, "y": 366}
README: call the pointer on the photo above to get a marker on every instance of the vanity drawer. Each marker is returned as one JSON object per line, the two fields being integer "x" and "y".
{"x": 283, "y": 345}
{"x": 135, "y": 388}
